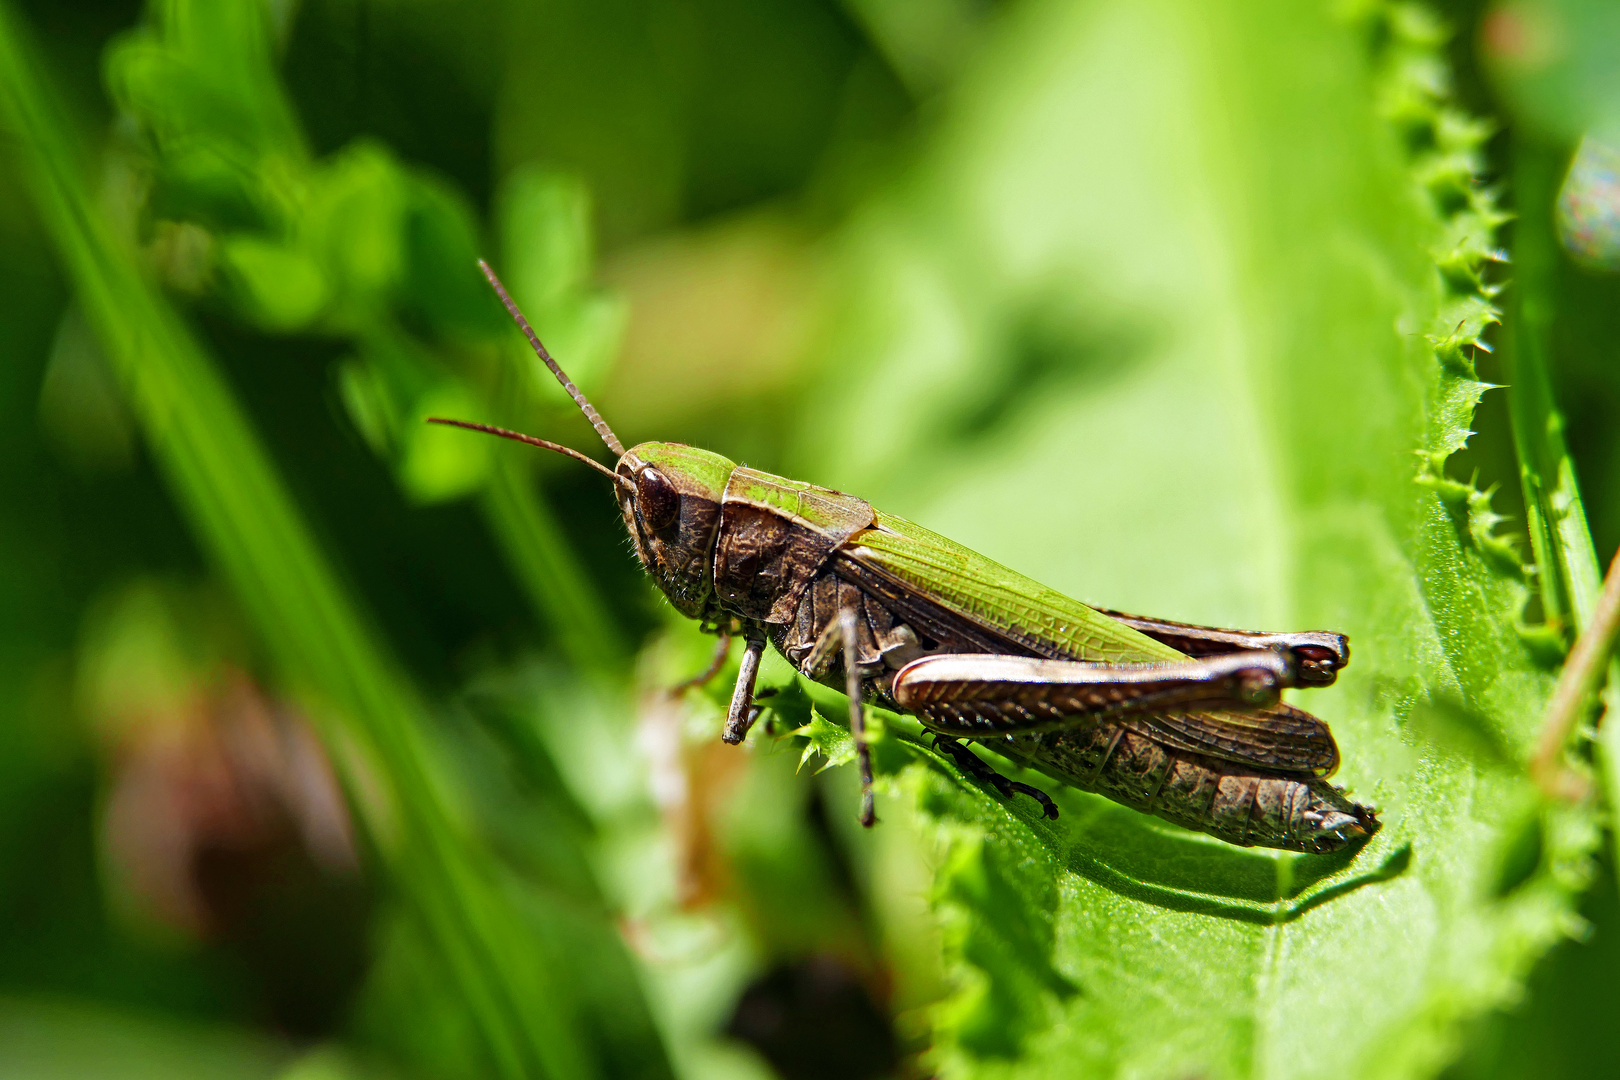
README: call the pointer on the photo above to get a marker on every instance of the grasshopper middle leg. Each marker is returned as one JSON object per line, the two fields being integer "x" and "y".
{"x": 842, "y": 632}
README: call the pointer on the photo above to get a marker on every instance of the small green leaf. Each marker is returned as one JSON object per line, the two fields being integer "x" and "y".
{"x": 279, "y": 287}
{"x": 437, "y": 465}
{"x": 442, "y": 284}
{"x": 545, "y": 227}
{"x": 832, "y": 742}
{"x": 355, "y": 219}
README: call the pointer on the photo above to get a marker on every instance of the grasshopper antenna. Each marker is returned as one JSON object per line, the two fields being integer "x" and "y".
{"x": 584, "y": 404}
{"x": 544, "y": 444}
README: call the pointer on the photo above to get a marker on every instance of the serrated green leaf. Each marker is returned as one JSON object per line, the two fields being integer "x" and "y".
{"x": 1211, "y": 274}
{"x": 833, "y": 743}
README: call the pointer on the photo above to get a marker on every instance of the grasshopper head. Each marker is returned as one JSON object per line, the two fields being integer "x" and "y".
{"x": 672, "y": 510}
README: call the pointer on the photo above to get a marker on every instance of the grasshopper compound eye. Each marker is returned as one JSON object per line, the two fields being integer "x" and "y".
{"x": 657, "y": 501}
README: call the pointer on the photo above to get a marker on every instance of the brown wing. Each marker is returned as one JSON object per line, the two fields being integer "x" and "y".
{"x": 1279, "y": 737}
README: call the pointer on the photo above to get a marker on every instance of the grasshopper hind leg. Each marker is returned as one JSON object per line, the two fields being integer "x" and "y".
{"x": 974, "y": 766}
{"x": 1318, "y": 655}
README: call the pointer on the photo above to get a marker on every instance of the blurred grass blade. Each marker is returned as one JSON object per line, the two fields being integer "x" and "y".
{"x": 373, "y": 719}
{"x": 527, "y": 530}
{"x": 1570, "y": 574}
{"x": 1573, "y": 577}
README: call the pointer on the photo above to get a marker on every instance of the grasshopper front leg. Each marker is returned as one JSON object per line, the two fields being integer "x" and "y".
{"x": 740, "y": 717}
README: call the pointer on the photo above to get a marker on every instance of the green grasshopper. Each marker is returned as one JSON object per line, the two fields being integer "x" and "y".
{"x": 1180, "y": 721}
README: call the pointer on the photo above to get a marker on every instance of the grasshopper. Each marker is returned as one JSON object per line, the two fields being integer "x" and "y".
{"x": 1181, "y": 721}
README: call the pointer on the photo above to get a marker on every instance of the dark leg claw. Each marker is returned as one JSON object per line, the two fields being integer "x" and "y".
{"x": 974, "y": 766}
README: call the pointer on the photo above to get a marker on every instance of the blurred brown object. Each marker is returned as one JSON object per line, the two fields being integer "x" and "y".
{"x": 223, "y": 823}
{"x": 691, "y": 782}
{"x": 198, "y": 797}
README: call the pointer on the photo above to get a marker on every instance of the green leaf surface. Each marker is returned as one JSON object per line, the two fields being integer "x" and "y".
{"x": 1211, "y": 275}
{"x": 832, "y": 744}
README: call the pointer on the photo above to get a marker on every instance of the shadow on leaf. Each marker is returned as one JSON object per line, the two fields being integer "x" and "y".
{"x": 1134, "y": 855}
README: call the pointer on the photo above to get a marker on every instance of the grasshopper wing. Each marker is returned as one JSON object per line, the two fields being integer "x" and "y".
{"x": 972, "y": 604}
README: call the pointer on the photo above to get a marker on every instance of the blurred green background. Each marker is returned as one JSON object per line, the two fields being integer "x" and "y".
{"x": 333, "y": 745}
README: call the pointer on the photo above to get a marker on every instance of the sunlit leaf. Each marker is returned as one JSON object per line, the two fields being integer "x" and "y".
{"x": 827, "y": 741}
{"x": 1174, "y": 300}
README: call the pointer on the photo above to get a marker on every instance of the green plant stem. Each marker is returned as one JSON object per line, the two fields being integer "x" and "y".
{"x": 1568, "y": 570}
{"x": 523, "y": 524}
{"x": 370, "y": 716}
{"x": 1571, "y": 580}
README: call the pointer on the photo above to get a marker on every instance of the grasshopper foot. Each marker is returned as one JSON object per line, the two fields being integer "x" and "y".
{"x": 970, "y": 763}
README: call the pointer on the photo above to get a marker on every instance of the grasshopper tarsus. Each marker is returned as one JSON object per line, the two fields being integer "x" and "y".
{"x": 1048, "y": 807}
{"x": 868, "y": 805}
{"x": 974, "y": 766}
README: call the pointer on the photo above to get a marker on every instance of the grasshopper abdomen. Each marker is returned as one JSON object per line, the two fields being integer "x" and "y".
{"x": 1247, "y": 807}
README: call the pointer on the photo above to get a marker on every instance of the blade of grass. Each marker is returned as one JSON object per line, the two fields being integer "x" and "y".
{"x": 525, "y": 527}
{"x": 1573, "y": 577}
{"x": 372, "y": 718}
{"x": 1569, "y": 569}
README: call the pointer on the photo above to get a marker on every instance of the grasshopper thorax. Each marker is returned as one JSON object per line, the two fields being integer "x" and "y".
{"x": 672, "y": 511}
